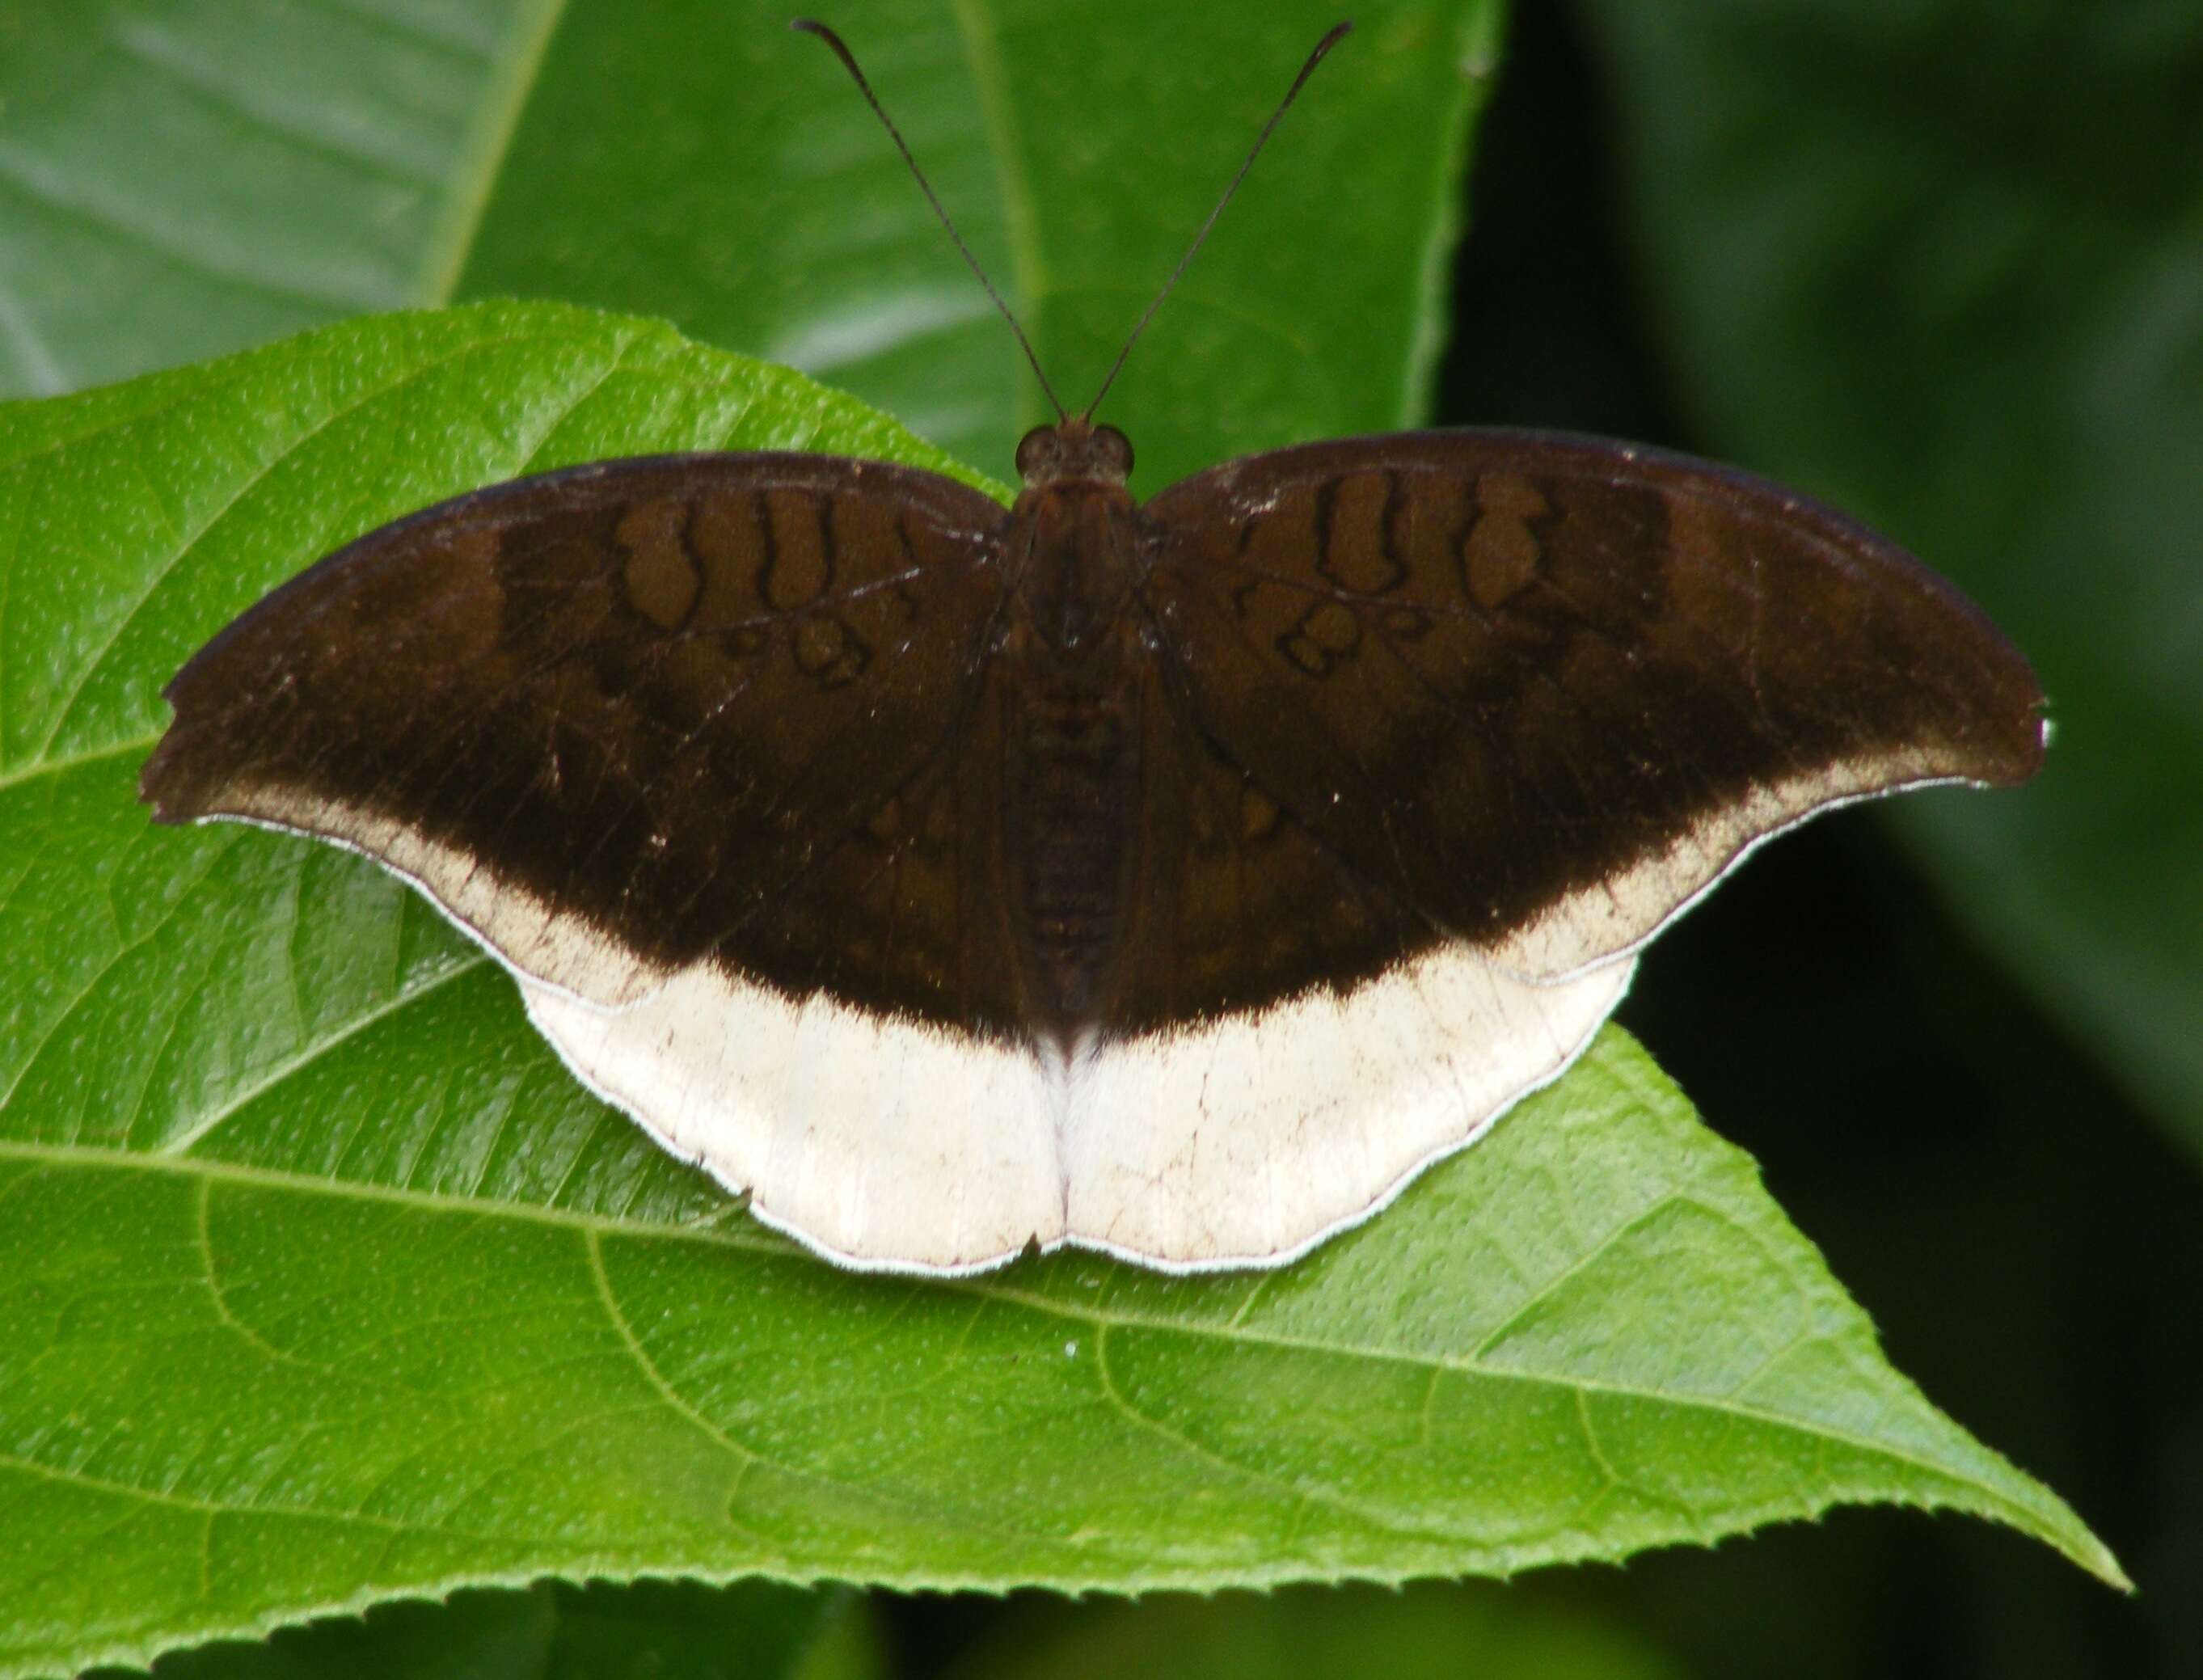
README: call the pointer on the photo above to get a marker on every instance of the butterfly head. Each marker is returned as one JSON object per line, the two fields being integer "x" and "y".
{"x": 1074, "y": 449}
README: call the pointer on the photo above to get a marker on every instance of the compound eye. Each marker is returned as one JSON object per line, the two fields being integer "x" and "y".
{"x": 1038, "y": 450}
{"x": 1114, "y": 448}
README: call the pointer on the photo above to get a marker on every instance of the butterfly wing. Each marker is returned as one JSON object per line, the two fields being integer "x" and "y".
{"x": 709, "y": 751}
{"x": 1445, "y": 725}
{"x": 705, "y": 749}
{"x": 1540, "y": 691}
{"x": 617, "y": 718}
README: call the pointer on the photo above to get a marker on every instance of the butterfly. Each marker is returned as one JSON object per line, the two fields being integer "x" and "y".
{"x": 1174, "y": 879}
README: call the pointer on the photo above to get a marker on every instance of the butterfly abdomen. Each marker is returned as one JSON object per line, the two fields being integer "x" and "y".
{"x": 1072, "y": 785}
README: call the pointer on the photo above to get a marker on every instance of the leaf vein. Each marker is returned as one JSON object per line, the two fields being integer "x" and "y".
{"x": 1301, "y": 1493}
{"x": 186, "y": 1140}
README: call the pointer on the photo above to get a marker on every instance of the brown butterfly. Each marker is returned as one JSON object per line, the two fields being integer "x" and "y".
{"x": 1175, "y": 880}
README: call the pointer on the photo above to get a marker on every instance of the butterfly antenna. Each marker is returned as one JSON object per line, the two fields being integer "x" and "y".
{"x": 1338, "y": 33}
{"x": 811, "y": 26}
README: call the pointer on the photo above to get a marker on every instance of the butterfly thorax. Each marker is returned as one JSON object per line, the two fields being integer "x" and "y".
{"x": 1070, "y": 549}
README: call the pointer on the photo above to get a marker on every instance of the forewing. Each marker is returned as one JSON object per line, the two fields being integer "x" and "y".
{"x": 1538, "y": 692}
{"x": 618, "y": 719}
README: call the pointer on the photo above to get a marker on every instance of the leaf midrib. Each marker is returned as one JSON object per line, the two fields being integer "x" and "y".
{"x": 482, "y": 153}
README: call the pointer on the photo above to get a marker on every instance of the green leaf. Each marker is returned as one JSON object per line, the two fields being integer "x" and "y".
{"x": 201, "y": 178}
{"x": 321, "y": 1284}
{"x": 1906, "y": 258}
{"x": 1078, "y": 149}
{"x": 183, "y": 180}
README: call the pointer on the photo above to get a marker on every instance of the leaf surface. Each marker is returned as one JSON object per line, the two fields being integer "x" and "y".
{"x": 186, "y": 179}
